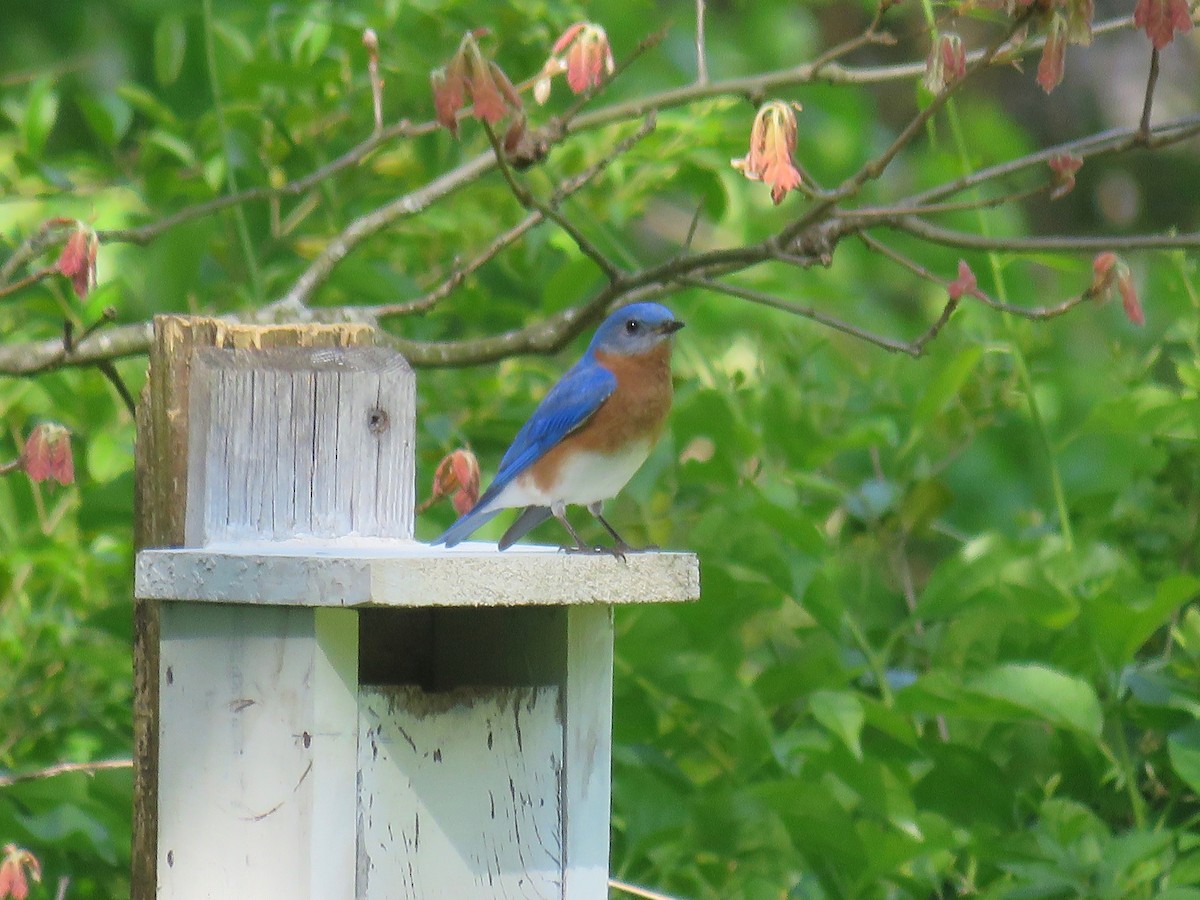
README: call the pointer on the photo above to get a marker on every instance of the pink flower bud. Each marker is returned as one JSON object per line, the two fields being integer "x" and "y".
{"x": 457, "y": 477}
{"x": 47, "y": 454}
{"x": 16, "y": 868}
{"x": 965, "y": 284}
{"x": 78, "y": 260}
{"x": 1064, "y": 166}
{"x": 772, "y": 143}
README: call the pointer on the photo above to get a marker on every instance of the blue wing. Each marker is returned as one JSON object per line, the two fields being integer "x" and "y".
{"x": 570, "y": 403}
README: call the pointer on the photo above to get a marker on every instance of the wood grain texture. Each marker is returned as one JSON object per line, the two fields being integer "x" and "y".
{"x": 406, "y": 573}
{"x": 160, "y": 504}
{"x": 460, "y": 793}
{"x": 587, "y": 749}
{"x": 259, "y": 752}
{"x": 300, "y": 442}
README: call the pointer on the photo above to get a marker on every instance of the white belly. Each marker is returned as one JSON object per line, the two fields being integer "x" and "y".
{"x": 585, "y": 478}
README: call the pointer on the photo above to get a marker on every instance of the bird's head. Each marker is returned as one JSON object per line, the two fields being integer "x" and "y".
{"x": 635, "y": 329}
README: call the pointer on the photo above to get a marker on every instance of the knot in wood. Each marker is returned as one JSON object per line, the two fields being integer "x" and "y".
{"x": 378, "y": 420}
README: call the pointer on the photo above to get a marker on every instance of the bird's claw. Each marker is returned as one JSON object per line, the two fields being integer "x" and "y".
{"x": 617, "y": 552}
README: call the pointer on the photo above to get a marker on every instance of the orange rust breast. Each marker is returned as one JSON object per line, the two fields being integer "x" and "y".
{"x": 635, "y": 411}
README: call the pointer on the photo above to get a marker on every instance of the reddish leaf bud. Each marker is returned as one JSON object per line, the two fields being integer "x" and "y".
{"x": 16, "y": 868}
{"x": 1079, "y": 21}
{"x": 457, "y": 477}
{"x": 1064, "y": 166}
{"x": 1102, "y": 273}
{"x": 584, "y": 53}
{"x": 448, "y": 95}
{"x": 965, "y": 284}
{"x": 1054, "y": 53}
{"x": 1161, "y": 19}
{"x": 564, "y": 39}
{"x": 1129, "y": 297}
{"x": 946, "y": 63}
{"x": 47, "y": 454}
{"x": 78, "y": 260}
{"x": 772, "y": 143}
{"x": 468, "y": 72}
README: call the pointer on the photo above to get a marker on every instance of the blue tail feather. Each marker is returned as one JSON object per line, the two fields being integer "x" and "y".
{"x": 467, "y": 525}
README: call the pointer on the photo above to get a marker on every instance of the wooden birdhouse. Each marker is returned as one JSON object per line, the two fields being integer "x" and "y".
{"x": 326, "y": 707}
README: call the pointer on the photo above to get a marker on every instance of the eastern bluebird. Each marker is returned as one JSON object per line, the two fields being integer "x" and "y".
{"x": 591, "y": 432}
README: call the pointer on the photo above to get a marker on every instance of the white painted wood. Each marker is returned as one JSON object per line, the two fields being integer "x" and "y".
{"x": 279, "y": 775}
{"x": 587, "y": 738}
{"x": 258, "y": 752}
{"x": 300, "y": 442}
{"x": 406, "y": 573}
{"x": 460, "y": 794}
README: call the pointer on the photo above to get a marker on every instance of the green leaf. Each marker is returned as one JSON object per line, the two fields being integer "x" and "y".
{"x": 947, "y": 382}
{"x": 172, "y": 145}
{"x": 310, "y": 41}
{"x": 147, "y": 104}
{"x": 1183, "y": 746}
{"x": 1048, "y": 694}
{"x": 170, "y": 48}
{"x": 41, "y": 111}
{"x": 235, "y": 42}
{"x": 841, "y": 713}
{"x": 110, "y": 454}
{"x": 107, "y": 115}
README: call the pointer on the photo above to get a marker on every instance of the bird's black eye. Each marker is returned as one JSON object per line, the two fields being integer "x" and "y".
{"x": 632, "y": 326}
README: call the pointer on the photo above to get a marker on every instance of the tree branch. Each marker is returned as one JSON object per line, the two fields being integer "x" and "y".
{"x": 1113, "y": 140}
{"x": 89, "y": 768}
{"x": 1151, "y": 81}
{"x": 805, "y": 242}
{"x": 509, "y": 237}
{"x": 912, "y": 348}
{"x": 527, "y": 199}
{"x": 1036, "y": 313}
{"x": 1058, "y": 243}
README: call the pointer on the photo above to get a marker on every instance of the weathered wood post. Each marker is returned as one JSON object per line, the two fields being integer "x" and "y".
{"x": 344, "y": 712}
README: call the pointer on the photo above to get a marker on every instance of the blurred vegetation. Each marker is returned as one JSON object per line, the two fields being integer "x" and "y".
{"x": 908, "y": 676}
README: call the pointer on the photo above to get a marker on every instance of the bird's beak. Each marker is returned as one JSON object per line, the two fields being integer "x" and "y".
{"x": 670, "y": 327}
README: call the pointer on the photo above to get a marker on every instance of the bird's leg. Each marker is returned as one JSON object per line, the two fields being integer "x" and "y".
{"x": 559, "y": 512}
{"x": 621, "y": 547}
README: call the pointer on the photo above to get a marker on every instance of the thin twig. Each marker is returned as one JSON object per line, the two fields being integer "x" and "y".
{"x": 873, "y": 168}
{"x": 8, "y": 290}
{"x": 807, "y": 312}
{"x": 371, "y": 41}
{"x": 638, "y": 891}
{"x": 701, "y": 57}
{"x": 109, "y": 370}
{"x": 527, "y": 199}
{"x": 11, "y": 466}
{"x": 1059, "y": 243}
{"x": 1110, "y": 141}
{"x": 1151, "y": 81}
{"x": 509, "y": 237}
{"x": 48, "y": 234}
{"x": 871, "y": 35}
{"x": 1035, "y": 313}
{"x": 866, "y": 213}
{"x": 66, "y": 768}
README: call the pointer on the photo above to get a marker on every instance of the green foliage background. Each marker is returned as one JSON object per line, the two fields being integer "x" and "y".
{"x": 1030, "y": 727}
